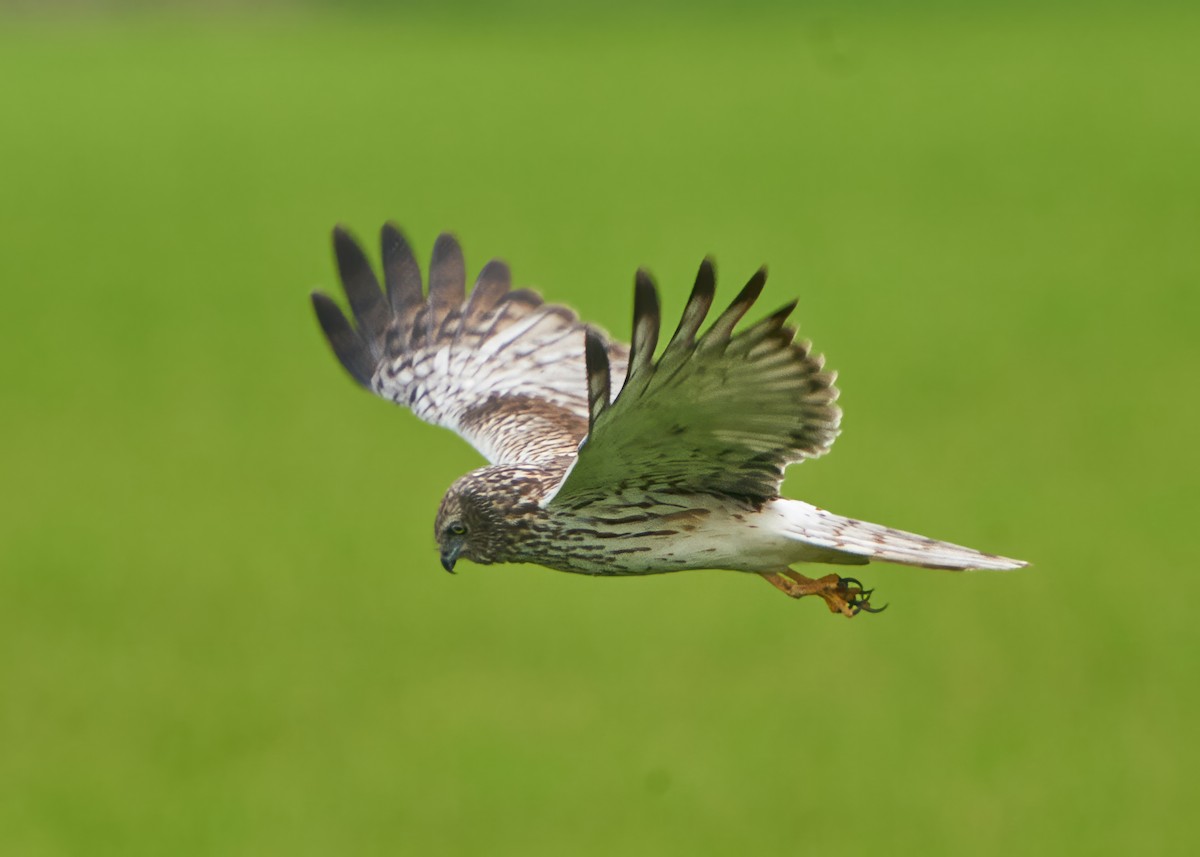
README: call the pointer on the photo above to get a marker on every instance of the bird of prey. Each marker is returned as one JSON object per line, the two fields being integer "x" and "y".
{"x": 605, "y": 459}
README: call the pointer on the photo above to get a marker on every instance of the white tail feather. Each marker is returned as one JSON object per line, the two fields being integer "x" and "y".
{"x": 862, "y": 538}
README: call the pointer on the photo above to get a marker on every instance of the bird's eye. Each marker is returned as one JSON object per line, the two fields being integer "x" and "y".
{"x": 457, "y": 530}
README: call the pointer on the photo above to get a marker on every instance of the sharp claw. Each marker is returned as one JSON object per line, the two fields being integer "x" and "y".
{"x": 867, "y": 607}
{"x": 847, "y": 582}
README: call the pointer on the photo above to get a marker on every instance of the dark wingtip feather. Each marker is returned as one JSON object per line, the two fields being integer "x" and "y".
{"x": 777, "y": 318}
{"x": 753, "y": 288}
{"x": 447, "y": 270}
{"x": 401, "y": 273}
{"x": 773, "y": 327}
{"x": 347, "y": 345}
{"x": 494, "y": 278}
{"x": 491, "y": 287}
{"x": 361, "y": 286}
{"x": 599, "y": 383}
{"x": 345, "y": 247}
{"x": 722, "y": 328}
{"x": 647, "y": 317}
{"x": 447, "y": 281}
{"x": 698, "y": 304}
{"x": 645, "y": 295}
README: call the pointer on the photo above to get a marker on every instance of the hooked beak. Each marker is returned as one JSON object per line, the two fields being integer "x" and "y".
{"x": 450, "y": 555}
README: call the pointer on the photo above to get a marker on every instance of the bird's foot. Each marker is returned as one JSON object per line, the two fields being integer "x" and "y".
{"x": 843, "y": 595}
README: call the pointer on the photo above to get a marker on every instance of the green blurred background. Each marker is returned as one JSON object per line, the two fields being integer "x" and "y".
{"x": 223, "y": 627}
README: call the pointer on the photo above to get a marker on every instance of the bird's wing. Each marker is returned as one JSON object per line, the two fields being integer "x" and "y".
{"x": 722, "y": 413}
{"x": 501, "y": 368}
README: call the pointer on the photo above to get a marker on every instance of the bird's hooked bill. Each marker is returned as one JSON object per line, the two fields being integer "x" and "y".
{"x": 450, "y": 556}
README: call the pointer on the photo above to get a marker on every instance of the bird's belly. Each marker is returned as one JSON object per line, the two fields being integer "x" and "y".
{"x": 675, "y": 535}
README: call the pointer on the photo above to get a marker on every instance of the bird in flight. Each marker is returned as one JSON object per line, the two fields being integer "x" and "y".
{"x": 605, "y": 459}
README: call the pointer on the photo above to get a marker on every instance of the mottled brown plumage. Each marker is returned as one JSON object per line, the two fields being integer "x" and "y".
{"x": 609, "y": 460}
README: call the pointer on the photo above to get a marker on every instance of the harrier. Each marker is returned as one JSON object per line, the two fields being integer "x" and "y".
{"x": 605, "y": 459}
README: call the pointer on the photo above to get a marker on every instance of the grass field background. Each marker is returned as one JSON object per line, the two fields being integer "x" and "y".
{"x": 223, "y": 627}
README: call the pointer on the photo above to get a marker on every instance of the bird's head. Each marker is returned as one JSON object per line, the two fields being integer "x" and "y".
{"x": 468, "y": 522}
{"x": 452, "y": 530}
{"x": 487, "y": 515}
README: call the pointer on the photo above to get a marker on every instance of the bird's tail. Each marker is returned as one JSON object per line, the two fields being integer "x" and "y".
{"x": 860, "y": 538}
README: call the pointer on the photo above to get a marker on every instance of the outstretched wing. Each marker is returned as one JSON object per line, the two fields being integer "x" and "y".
{"x": 501, "y": 368}
{"x": 722, "y": 413}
